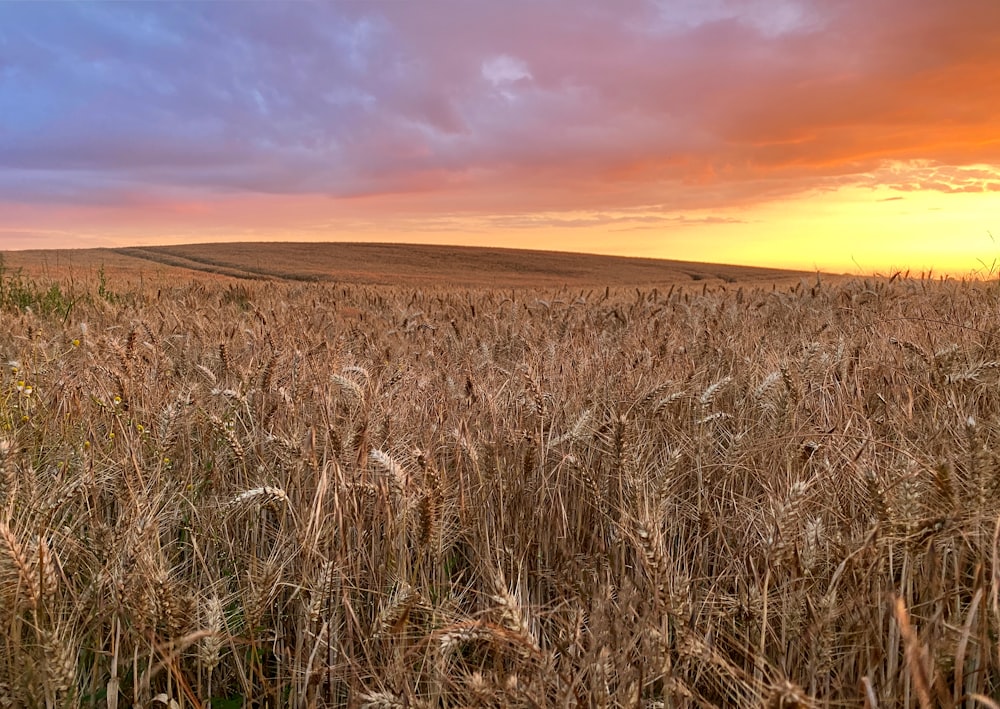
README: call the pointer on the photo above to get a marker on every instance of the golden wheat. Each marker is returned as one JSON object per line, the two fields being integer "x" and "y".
{"x": 319, "y": 494}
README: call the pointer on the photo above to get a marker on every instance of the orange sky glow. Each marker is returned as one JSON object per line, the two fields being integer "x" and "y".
{"x": 842, "y": 136}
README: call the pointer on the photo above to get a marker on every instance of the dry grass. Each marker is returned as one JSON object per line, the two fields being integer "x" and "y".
{"x": 386, "y": 264}
{"x": 319, "y": 495}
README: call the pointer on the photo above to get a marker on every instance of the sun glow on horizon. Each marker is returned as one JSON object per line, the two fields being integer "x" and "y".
{"x": 852, "y": 230}
{"x": 863, "y": 231}
{"x": 807, "y": 135}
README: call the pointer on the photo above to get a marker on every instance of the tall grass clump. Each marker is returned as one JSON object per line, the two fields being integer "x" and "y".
{"x": 18, "y": 292}
{"x": 322, "y": 495}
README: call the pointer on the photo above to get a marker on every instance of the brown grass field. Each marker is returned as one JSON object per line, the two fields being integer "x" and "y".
{"x": 570, "y": 487}
{"x": 385, "y": 264}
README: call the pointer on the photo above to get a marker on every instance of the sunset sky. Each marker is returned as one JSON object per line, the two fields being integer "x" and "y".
{"x": 843, "y": 135}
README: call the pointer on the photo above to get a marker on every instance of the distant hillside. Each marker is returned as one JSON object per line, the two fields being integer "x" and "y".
{"x": 388, "y": 264}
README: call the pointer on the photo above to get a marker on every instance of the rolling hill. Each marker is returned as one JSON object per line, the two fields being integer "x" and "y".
{"x": 388, "y": 264}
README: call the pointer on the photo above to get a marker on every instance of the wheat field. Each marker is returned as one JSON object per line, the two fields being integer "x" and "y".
{"x": 235, "y": 493}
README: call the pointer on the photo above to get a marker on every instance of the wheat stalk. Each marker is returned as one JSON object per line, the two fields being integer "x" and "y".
{"x": 398, "y": 478}
{"x": 24, "y": 578}
{"x": 213, "y": 618}
{"x": 226, "y": 431}
{"x": 381, "y": 700}
{"x": 513, "y": 616}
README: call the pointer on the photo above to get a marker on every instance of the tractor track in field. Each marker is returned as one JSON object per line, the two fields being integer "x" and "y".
{"x": 211, "y": 266}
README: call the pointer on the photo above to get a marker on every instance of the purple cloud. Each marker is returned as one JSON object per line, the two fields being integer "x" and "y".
{"x": 496, "y": 107}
